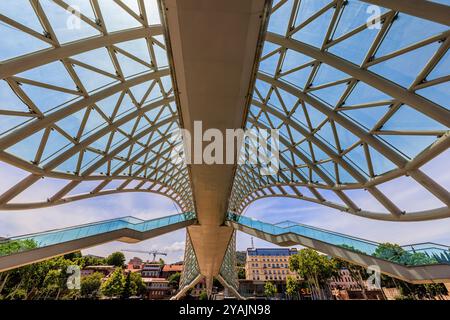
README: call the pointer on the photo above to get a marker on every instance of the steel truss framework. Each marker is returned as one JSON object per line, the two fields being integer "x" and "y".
{"x": 97, "y": 109}
{"x": 87, "y": 106}
{"x": 342, "y": 103}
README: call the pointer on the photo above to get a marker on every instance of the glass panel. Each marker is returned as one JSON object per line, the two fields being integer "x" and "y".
{"x": 441, "y": 253}
{"x": 54, "y": 237}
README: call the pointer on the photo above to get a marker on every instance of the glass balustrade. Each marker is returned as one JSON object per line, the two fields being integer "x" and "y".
{"x": 435, "y": 252}
{"x": 47, "y": 238}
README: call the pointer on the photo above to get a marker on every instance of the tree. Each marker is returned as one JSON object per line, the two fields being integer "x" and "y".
{"x": 73, "y": 256}
{"x": 174, "y": 280}
{"x": 90, "y": 285}
{"x": 241, "y": 272}
{"x": 128, "y": 287}
{"x": 270, "y": 290}
{"x": 36, "y": 281}
{"x": 114, "y": 285}
{"x": 292, "y": 287}
{"x": 14, "y": 246}
{"x": 395, "y": 253}
{"x": 116, "y": 259}
{"x": 53, "y": 283}
{"x": 139, "y": 287}
{"x": 316, "y": 269}
{"x": 161, "y": 262}
{"x": 203, "y": 295}
{"x": 133, "y": 285}
{"x": 90, "y": 261}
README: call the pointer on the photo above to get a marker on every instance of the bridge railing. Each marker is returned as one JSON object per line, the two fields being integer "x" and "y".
{"x": 47, "y": 238}
{"x": 438, "y": 253}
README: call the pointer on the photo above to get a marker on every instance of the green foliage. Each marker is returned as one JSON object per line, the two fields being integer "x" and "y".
{"x": 48, "y": 279}
{"x": 133, "y": 285}
{"x": 174, "y": 280}
{"x": 203, "y": 295}
{"x": 395, "y": 253}
{"x": 19, "y": 294}
{"x": 270, "y": 290}
{"x": 90, "y": 285}
{"x": 14, "y": 246}
{"x": 116, "y": 259}
{"x": 241, "y": 256}
{"x": 114, "y": 285}
{"x": 292, "y": 286}
{"x": 120, "y": 286}
{"x": 89, "y": 261}
{"x": 128, "y": 287}
{"x": 346, "y": 246}
{"x": 73, "y": 256}
{"x": 314, "y": 268}
{"x": 43, "y": 280}
{"x": 309, "y": 263}
{"x": 138, "y": 284}
{"x": 241, "y": 272}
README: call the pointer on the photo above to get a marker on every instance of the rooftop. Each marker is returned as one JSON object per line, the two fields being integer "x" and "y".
{"x": 271, "y": 251}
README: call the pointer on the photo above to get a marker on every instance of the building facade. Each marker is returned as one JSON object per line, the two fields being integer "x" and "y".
{"x": 135, "y": 263}
{"x": 344, "y": 280}
{"x": 158, "y": 288}
{"x": 171, "y": 269}
{"x": 268, "y": 264}
{"x": 151, "y": 270}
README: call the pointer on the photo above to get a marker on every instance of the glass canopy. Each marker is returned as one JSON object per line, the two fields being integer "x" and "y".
{"x": 360, "y": 96}
{"x": 87, "y": 96}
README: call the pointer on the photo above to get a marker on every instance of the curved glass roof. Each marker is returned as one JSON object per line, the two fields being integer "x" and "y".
{"x": 359, "y": 93}
{"x": 87, "y": 96}
{"x": 360, "y": 96}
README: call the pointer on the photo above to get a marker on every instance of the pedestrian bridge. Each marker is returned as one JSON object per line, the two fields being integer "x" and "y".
{"x": 48, "y": 244}
{"x": 45, "y": 245}
{"x": 352, "y": 249}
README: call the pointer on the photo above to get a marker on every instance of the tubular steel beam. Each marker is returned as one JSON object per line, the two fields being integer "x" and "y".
{"x": 39, "y": 124}
{"x": 422, "y": 105}
{"x": 30, "y": 61}
{"x": 432, "y": 214}
{"x": 346, "y": 123}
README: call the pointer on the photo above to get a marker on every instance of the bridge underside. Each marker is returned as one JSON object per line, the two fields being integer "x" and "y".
{"x": 214, "y": 44}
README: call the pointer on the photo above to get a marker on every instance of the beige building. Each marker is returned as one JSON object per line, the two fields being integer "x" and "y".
{"x": 268, "y": 264}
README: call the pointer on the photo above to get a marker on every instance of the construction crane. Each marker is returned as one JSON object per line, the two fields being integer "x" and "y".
{"x": 153, "y": 252}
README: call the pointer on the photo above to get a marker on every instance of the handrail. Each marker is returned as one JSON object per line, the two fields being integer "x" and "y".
{"x": 441, "y": 253}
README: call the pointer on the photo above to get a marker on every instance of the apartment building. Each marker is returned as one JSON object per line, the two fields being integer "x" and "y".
{"x": 268, "y": 264}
